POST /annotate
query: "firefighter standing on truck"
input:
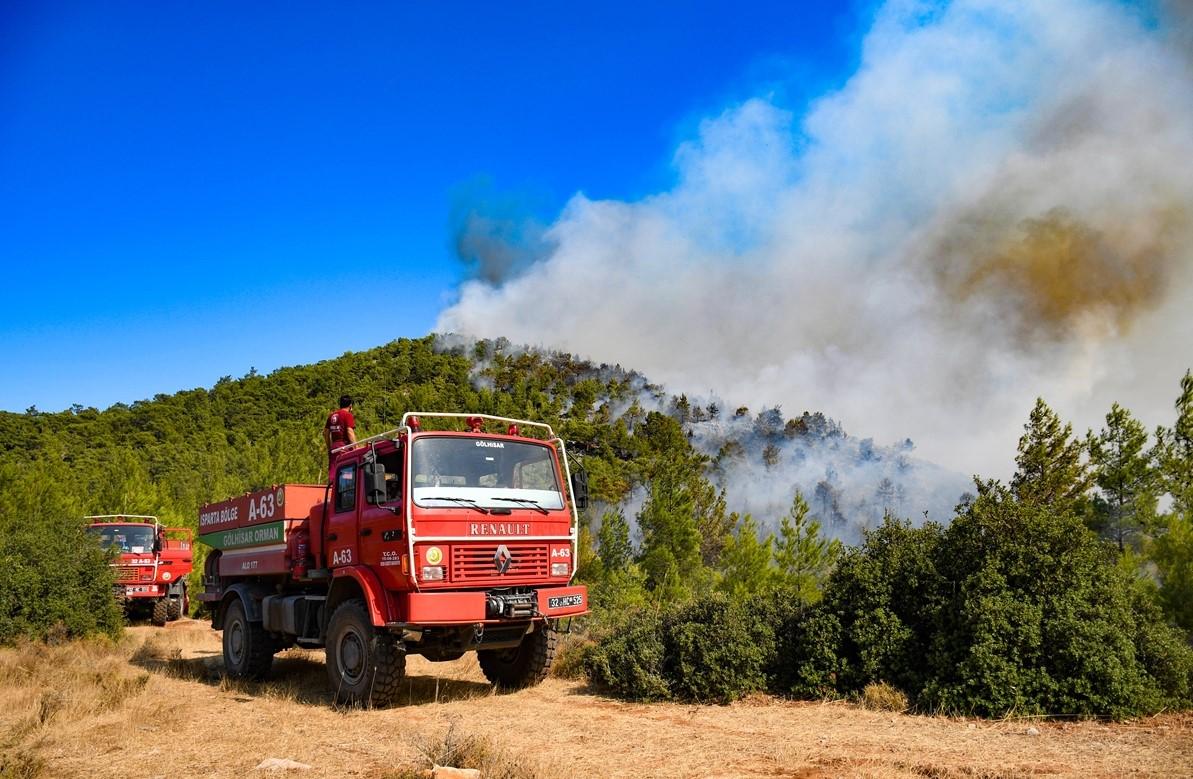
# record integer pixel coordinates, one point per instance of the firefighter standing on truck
(340, 429)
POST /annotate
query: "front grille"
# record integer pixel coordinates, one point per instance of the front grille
(471, 563)
(126, 573)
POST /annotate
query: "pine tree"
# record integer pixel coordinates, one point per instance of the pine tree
(1174, 451)
(1050, 467)
(613, 541)
(1172, 553)
(670, 555)
(712, 520)
(803, 557)
(885, 494)
(1123, 473)
(746, 563)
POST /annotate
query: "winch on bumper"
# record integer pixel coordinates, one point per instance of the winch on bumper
(495, 605)
(509, 604)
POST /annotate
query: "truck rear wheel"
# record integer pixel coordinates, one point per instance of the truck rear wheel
(523, 666)
(248, 649)
(161, 612)
(364, 666)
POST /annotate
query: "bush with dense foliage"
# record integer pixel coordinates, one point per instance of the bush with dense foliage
(1013, 608)
(55, 582)
(710, 649)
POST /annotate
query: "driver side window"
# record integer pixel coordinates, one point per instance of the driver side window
(346, 488)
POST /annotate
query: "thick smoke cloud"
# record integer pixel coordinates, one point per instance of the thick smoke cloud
(997, 205)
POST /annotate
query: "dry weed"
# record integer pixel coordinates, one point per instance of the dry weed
(570, 662)
(880, 696)
(463, 750)
(21, 764)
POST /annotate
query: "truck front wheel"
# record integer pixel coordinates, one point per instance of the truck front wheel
(364, 666)
(523, 666)
(161, 612)
(248, 649)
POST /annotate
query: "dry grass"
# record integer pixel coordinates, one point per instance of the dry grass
(158, 704)
(43, 687)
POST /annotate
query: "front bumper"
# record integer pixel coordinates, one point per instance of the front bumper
(130, 591)
(455, 608)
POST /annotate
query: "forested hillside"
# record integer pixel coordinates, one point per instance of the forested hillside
(1064, 585)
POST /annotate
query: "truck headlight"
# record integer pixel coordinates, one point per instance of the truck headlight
(559, 569)
(434, 555)
(432, 573)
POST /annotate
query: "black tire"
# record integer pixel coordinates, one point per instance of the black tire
(526, 664)
(161, 612)
(364, 667)
(178, 604)
(248, 649)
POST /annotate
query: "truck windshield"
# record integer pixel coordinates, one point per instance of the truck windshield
(448, 471)
(137, 539)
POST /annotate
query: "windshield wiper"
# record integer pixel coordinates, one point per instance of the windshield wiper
(525, 501)
(469, 502)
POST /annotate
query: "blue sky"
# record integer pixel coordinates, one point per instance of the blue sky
(191, 190)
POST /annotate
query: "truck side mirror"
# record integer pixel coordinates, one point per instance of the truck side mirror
(374, 483)
(157, 543)
(580, 489)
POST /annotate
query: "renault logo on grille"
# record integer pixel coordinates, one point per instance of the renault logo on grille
(502, 559)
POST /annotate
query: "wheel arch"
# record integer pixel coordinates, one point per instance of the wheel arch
(357, 582)
(248, 593)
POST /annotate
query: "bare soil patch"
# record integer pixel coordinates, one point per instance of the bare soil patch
(157, 704)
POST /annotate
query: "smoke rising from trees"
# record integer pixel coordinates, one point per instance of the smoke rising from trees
(995, 206)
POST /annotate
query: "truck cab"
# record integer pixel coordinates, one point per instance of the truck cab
(150, 562)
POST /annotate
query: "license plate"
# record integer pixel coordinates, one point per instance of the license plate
(564, 601)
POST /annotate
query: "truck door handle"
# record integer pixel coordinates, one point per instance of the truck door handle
(332, 536)
(368, 531)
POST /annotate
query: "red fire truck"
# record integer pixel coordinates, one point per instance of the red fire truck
(151, 564)
(430, 542)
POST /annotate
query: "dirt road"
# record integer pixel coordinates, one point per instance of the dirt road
(175, 715)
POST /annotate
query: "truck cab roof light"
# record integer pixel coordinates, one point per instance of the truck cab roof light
(513, 430)
(475, 424)
(415, 424)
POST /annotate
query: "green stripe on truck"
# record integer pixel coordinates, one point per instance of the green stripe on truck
(254, 535)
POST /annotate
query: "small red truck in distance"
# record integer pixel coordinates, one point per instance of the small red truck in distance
(151, 564)
(423, 542)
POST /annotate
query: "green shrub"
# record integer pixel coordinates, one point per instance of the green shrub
(711, 649)
(716, 650)
(55, 581)
(880, 602)
(1039, 619)
(1014, 608)
(807, 662)
(628, 662)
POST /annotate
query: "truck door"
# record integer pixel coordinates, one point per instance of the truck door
(340, 536)
(383, 527)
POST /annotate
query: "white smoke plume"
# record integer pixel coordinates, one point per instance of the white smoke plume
(997, 205)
